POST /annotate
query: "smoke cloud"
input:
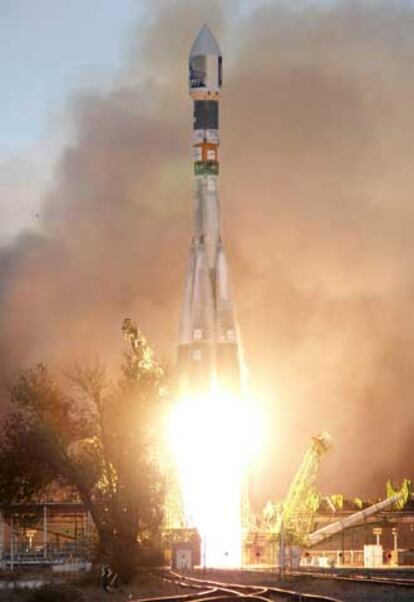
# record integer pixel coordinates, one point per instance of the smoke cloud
(316, 191)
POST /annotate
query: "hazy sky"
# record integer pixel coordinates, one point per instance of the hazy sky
(49, 50)
(49, 46)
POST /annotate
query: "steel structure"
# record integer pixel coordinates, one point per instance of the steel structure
(58, 532)
(349, 521)
(301, 501)
(174, 515)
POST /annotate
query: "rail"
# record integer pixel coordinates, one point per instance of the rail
(218, 591)
(368, 579)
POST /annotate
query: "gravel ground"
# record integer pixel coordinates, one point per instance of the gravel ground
(348, 592)
(88, 590)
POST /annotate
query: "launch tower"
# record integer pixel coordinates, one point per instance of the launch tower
(208, 351)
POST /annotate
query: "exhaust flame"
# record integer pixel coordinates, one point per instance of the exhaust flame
(214, 439)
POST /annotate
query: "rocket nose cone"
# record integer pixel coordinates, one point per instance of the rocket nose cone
(205, 43)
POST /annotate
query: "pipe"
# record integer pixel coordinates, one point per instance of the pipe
(349, 521)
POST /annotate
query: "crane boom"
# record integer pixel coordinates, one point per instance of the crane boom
(301, 501)
(349, 521)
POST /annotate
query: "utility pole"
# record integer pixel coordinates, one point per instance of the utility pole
(2, 529)
(395, 550)
(282, 550)
(45, 532)
(11, 544)
(377, 532)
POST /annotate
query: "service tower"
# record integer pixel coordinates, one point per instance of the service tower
(208, 351)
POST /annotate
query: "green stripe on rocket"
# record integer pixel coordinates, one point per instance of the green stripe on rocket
(206, 168)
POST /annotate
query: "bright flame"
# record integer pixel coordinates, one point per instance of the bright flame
(213, 440)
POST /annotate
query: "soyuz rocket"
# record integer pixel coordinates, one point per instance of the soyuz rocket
(208, 349)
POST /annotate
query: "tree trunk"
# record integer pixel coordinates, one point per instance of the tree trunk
(124, 557)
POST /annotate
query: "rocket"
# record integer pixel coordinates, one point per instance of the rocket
(208, 349)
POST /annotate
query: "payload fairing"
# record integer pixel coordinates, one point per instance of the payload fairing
(208, 351)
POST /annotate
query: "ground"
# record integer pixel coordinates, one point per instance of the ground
(348, 592)
(88, 589)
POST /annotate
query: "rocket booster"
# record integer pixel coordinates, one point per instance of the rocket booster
(208, 350)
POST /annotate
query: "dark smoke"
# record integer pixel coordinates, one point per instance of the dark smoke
(317, 193)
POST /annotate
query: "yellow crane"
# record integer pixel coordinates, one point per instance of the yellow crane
(302, 500)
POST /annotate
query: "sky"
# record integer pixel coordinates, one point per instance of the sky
(316, 194)
(49, 49)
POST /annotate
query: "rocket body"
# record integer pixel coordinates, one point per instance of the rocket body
(208, 351)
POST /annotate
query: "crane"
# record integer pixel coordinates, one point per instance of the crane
(302, 499)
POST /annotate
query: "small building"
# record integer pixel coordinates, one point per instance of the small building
(185, 556)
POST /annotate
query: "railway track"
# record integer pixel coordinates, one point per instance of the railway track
(350, 587)
(219, 591)
(358, 578)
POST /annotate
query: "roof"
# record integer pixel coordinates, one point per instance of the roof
(205, 43)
